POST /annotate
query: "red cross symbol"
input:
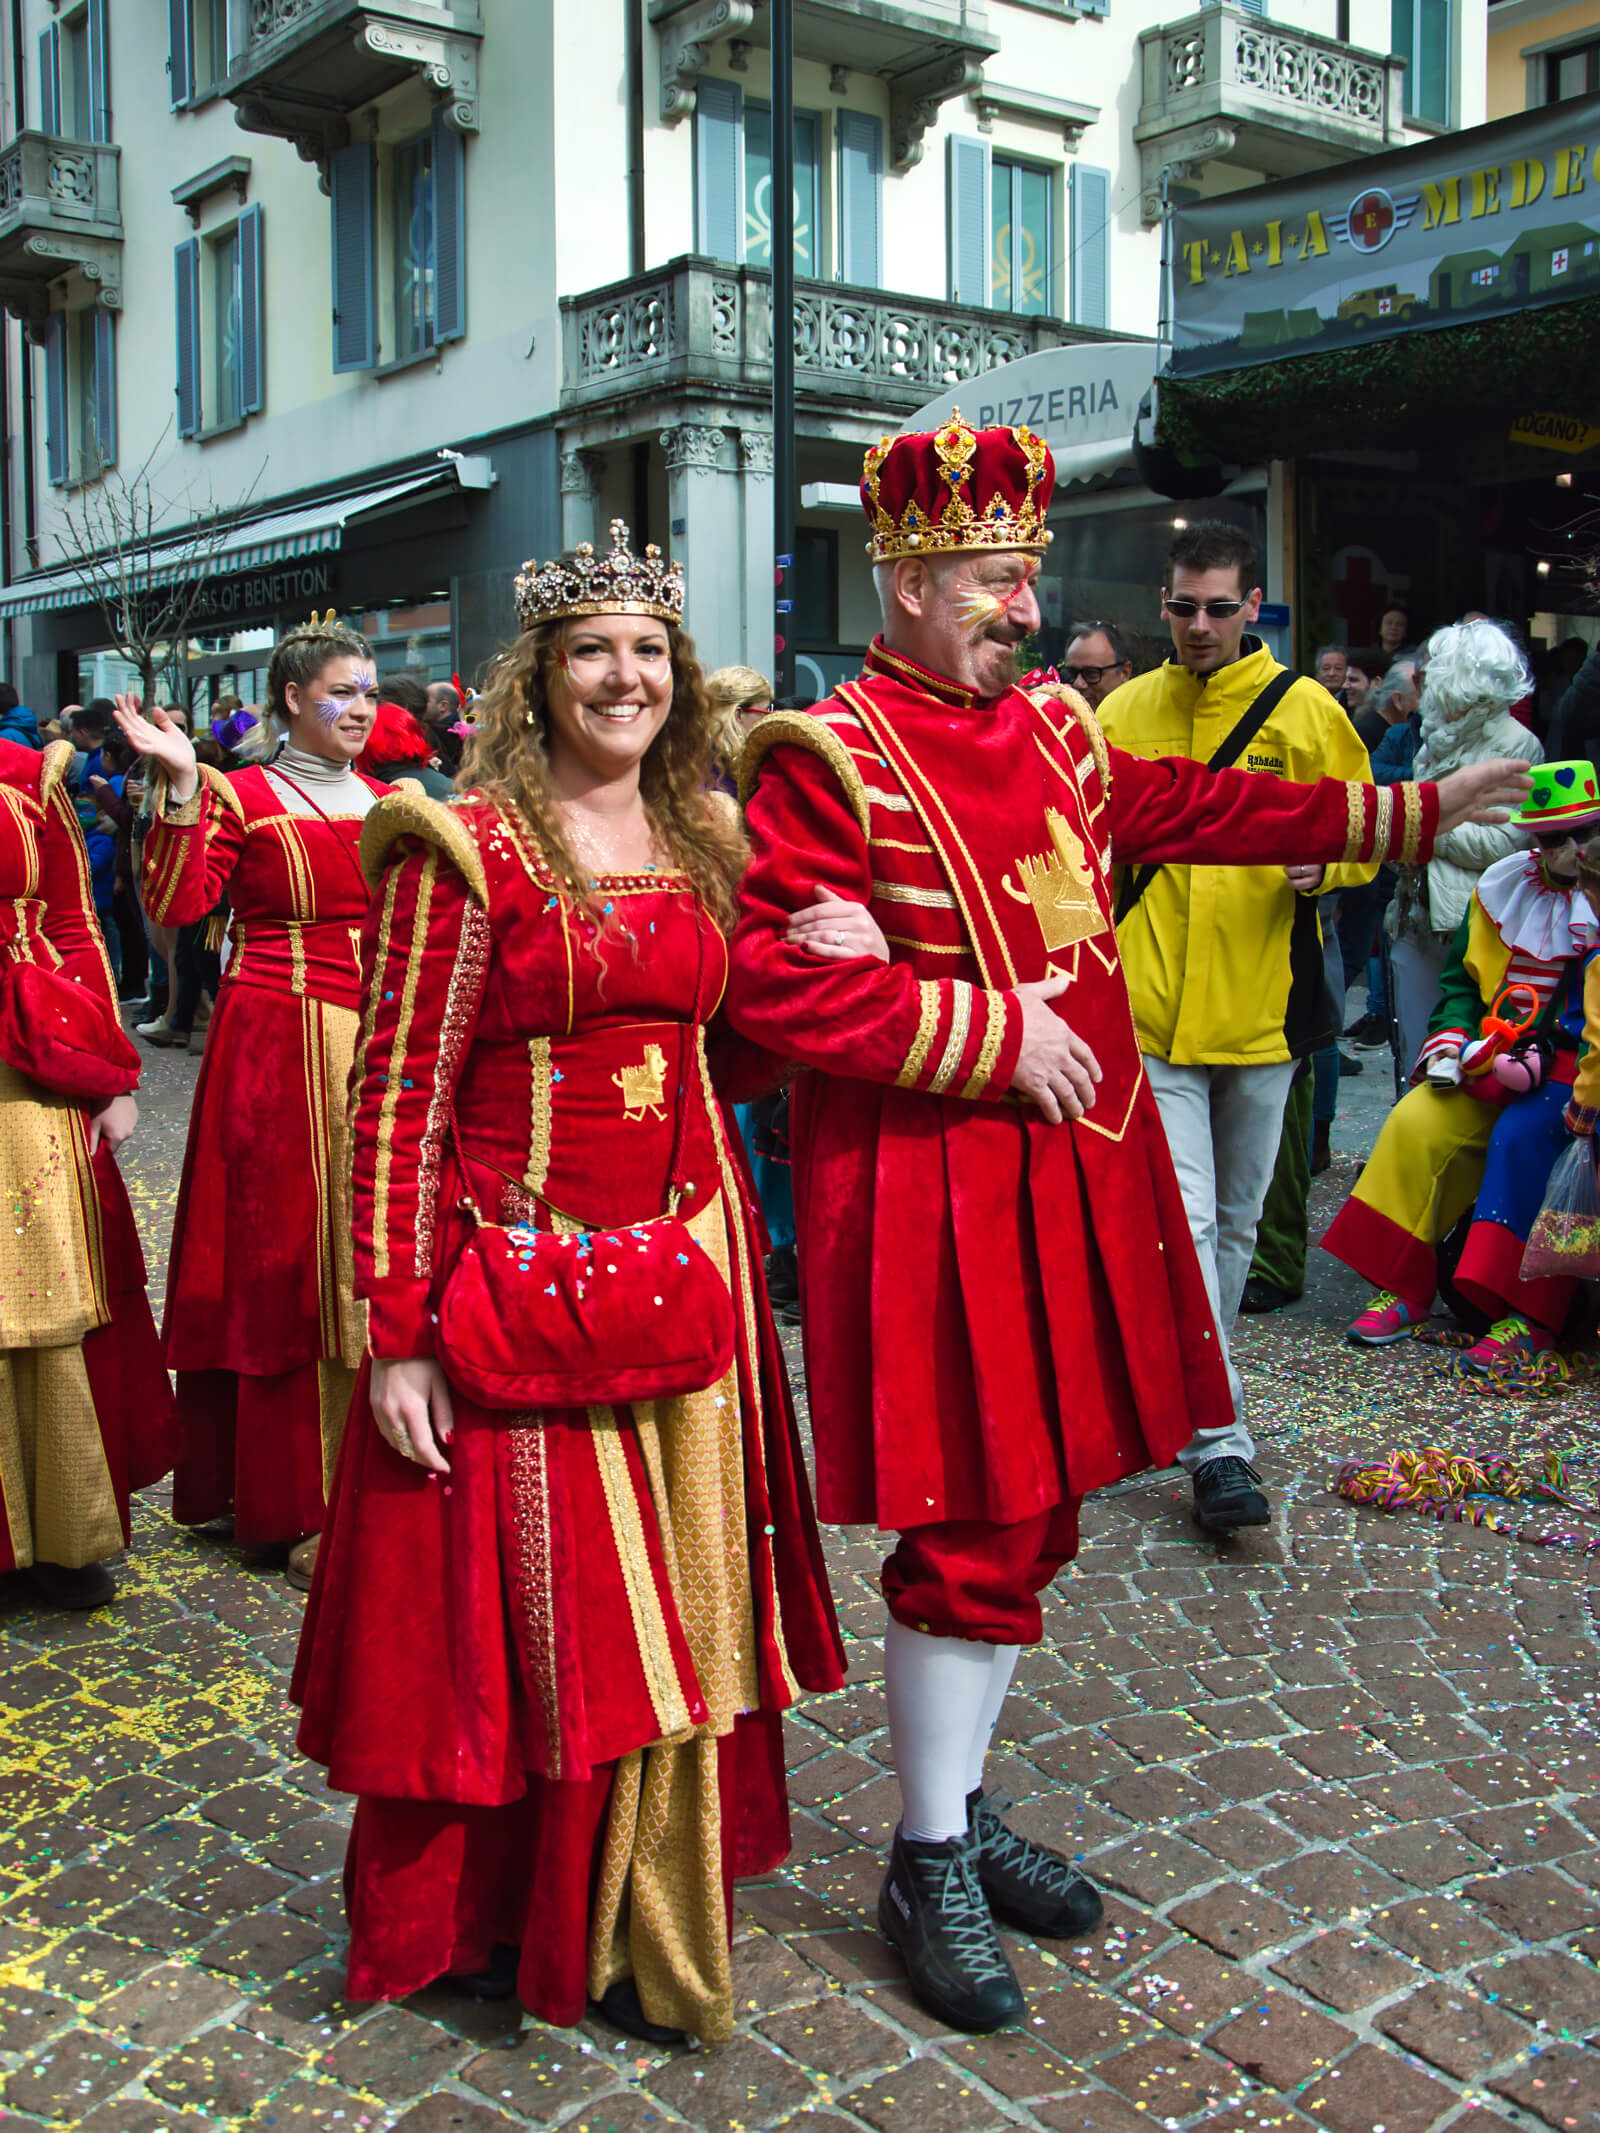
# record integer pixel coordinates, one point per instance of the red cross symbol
(1371, 220)
(1361, 600)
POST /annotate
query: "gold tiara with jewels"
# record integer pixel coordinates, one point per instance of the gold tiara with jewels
(584, 583)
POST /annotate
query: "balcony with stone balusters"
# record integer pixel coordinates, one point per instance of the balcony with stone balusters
(1227, 86)
(694, 328)
(307, 65)
(60, 212)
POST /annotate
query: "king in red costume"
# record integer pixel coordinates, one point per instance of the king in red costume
(1002, 1306)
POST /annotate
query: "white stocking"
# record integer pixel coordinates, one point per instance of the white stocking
(938, 1689)
(1003, 1665)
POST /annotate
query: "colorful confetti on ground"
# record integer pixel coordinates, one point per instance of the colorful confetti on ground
(1340, 1781)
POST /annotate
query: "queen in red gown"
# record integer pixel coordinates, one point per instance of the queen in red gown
(261, 1324)
(85, 1407)
(549, 1650)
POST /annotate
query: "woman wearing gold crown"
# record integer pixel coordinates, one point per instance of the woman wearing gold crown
(550, 1638)
(261, 1325)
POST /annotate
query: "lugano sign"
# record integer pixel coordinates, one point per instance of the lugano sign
(1469, 226)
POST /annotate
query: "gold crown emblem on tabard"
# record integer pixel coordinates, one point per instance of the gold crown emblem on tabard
(584, 583)
(1060, 888)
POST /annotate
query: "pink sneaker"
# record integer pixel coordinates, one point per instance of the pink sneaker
(1508, 1340)
(1386, 1319)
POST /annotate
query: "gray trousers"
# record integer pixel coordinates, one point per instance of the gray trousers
(1418, 964)
(1223, 1124)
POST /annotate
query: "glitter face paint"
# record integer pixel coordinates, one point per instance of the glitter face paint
(331, 709)
(979, 607)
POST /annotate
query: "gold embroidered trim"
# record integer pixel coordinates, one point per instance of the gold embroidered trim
(894, 892)
(1411, 842)
(904, 940)
(1355, 817)
(531, 1579)
(994, 1008)
(879, 656)
(779, 727)
(927, 1022)
(397, 1063)
(638, 1578)
(960, 1023)
(67, 815)
(895, 801)
(540, 1120)
(898, 844)
(460, 1004)
(404, 814)
(391, 890)
(1384, 828)
(1093, 732)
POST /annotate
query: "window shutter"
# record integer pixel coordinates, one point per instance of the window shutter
(57, 441)
(354, 177)
(449, 232)
(1091, 245)
(50, 79)
(186, 262)
(860, 199)
(105, 387)
(1429, 77)
(969, 181)
(180, 50)
(99, 72)
(252, 325)
(718, 175)
(1252, 7)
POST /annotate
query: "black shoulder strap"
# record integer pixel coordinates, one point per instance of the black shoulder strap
(1226, 753)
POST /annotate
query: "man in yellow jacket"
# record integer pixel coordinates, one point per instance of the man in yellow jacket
(1224, 964)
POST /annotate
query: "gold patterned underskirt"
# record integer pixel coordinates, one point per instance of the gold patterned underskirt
(52, 1265)
(60, 1506)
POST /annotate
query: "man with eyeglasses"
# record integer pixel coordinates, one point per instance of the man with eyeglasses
(1224, 964)
(1099, 659)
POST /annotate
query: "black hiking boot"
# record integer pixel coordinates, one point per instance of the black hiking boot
(1028, 1886)
(933, 1909)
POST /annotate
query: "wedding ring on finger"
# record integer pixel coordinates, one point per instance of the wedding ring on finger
(838, 940)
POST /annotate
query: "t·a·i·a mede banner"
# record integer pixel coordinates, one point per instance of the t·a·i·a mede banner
(1463, 228)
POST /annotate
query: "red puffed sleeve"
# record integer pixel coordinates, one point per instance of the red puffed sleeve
(190, 851)
(870, 1020)
(424, 953)
(1172, 811)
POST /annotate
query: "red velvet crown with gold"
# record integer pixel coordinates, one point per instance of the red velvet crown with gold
(957, 487)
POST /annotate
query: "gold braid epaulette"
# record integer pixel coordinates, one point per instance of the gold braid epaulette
(778, 727)
(1093, 732)
(222, 787)
(53, 770)
(402, 814)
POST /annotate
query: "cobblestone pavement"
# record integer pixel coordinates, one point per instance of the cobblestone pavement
(1340, 1782)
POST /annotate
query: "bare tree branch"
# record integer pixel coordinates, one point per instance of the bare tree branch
(110, 542)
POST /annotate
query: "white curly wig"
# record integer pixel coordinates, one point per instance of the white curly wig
(1472, 666)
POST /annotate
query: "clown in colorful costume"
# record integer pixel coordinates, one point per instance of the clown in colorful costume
(1488, 1116)
(85, 1407)
(1001, 1313)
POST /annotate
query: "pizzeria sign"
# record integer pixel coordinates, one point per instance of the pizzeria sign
(1469, 226)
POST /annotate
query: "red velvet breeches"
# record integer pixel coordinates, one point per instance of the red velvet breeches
(967, 1578)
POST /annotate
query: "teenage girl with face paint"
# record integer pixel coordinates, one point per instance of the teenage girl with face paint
(261, 1326)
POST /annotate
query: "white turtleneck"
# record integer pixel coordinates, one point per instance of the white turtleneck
(334, 786)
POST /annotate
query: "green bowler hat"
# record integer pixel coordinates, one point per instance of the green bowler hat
(1562, 792)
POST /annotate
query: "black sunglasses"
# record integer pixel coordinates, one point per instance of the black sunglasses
(1092, 674)
(1216, 610)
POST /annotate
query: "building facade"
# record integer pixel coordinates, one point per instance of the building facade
(407, 290)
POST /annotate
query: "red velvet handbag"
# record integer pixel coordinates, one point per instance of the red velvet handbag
(549, 1318)
(63, 1035)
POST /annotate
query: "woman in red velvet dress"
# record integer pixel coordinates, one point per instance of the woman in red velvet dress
(549, 1651)
(85, 1407)
(261, 1325)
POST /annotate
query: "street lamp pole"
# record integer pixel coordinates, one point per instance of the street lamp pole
(783, 475)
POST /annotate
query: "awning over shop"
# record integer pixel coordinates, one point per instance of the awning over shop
(1391, 294)
(253, 544)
